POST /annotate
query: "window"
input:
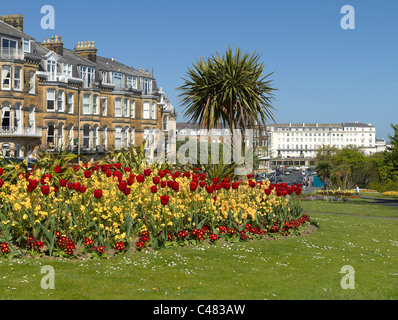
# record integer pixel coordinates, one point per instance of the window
(95, 104)
(50, 134)
(146, 110)
(118, 80)
(132, 82)
(70, 137)
(118, 137)
(95, 136)
(86, 136)
(104, 103)
(32, 122)
(132, 136)
(86, 104)
(165, 121)
(61, 141)
(50, 100)
(52, 70)
(126, 137)
(105, 77)
(67, 69)
(17, 78)
(6, 77)
(105, 137)
(118, 107)
(146, 137)
(132, 108)
(87, 75)
(60, 101)
(146, 85)
(5, 116)
(126, 107)
(153, 110)
(26, 45)
(32, 82)
(9, 48)
(70, 102)
(17, 117)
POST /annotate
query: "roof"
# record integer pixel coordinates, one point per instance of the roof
(7, 29)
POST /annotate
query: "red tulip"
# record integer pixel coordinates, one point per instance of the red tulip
(163, 184)
(45, 190)
(127, 169)
(164, 200)
(1, 171)
(147, 172)
(140, 178)
(267, 191)
(108, 173)
(154, 189)
(156, 180)
(62, 182)
(235, 185)
(82, 189)
(87, 174)
(298, 191)
(122, 185)
(202, 184)
(249, 176)
(33, 184)
(127, 191)
(57, 169)
(209, 189)
(193, 186)
(97, 194)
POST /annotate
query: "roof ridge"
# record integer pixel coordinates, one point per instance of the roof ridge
(16, 29)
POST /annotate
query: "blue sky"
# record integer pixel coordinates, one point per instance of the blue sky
(323, 73)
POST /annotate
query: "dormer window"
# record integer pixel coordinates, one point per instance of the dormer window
(9, 48)
(26, 45)
(87, 74)
(52, 70)
(132, 82)
(118, 80)
(146, 85)
(67, 69)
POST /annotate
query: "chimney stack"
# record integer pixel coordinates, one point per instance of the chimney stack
(15, 20)
(87, 50)
(54, 44)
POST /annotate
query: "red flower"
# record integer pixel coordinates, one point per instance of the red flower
(147, 172)
(63, 182)
(202, 184)
(108, 173)
(235, 185)
(33, 184)
(87, 174)
(140, 178)
(267, 191)
(163, 184)
(209, 189)
(193, 186)
(164, 200)
(76, 186)
(298, 191)
(45, 190)
(82, 189)
(252, 184)
(1, 171)
(98, 194)
(154, 189)
(122, 185)
(249, 176)
(127, 191)
(156, 180)
(216, 180)
(57, 169)
(213, 237)
(127, 169)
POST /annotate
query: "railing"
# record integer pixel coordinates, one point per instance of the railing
(20, 132)
(11, 53)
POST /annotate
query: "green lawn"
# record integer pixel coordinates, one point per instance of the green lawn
(305, 268)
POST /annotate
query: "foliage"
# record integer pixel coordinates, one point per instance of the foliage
(230, 89)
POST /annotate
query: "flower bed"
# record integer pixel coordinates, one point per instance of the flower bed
(99, 208)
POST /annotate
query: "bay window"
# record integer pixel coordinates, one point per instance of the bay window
(6, 78)
(17, 78)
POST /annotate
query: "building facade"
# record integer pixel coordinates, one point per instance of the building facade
(52, 97)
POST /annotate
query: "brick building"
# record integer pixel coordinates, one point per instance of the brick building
(53, 97)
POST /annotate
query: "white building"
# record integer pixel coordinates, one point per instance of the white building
(303, 140)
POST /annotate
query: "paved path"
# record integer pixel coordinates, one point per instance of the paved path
(384, 202)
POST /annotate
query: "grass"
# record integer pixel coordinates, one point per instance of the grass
(299, 268)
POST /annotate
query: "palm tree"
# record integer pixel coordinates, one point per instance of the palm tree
(324, 170)
(231, 89)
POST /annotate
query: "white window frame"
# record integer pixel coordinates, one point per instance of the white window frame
(86, 137)
(145, 110)
(126, 108)
(51, 67)
(49, 99)
(86, 103)
(17, 79)
(71, 97)
(132, 136)
(32, 82)
(104, 106)
(132, 108)
(154, 110)
(26, 42)
(67, 69)
(118, 80)
(4, 71)
(95, 104)
(132, 82)
(165, 122)
(61, 101)
(118, 107)
(87, 74)
(118, 137)
(146, 85)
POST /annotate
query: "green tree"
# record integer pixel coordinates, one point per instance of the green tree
(229, 89)
(324, 170)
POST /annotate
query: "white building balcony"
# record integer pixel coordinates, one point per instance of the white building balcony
(11, 53)
(8, 132)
